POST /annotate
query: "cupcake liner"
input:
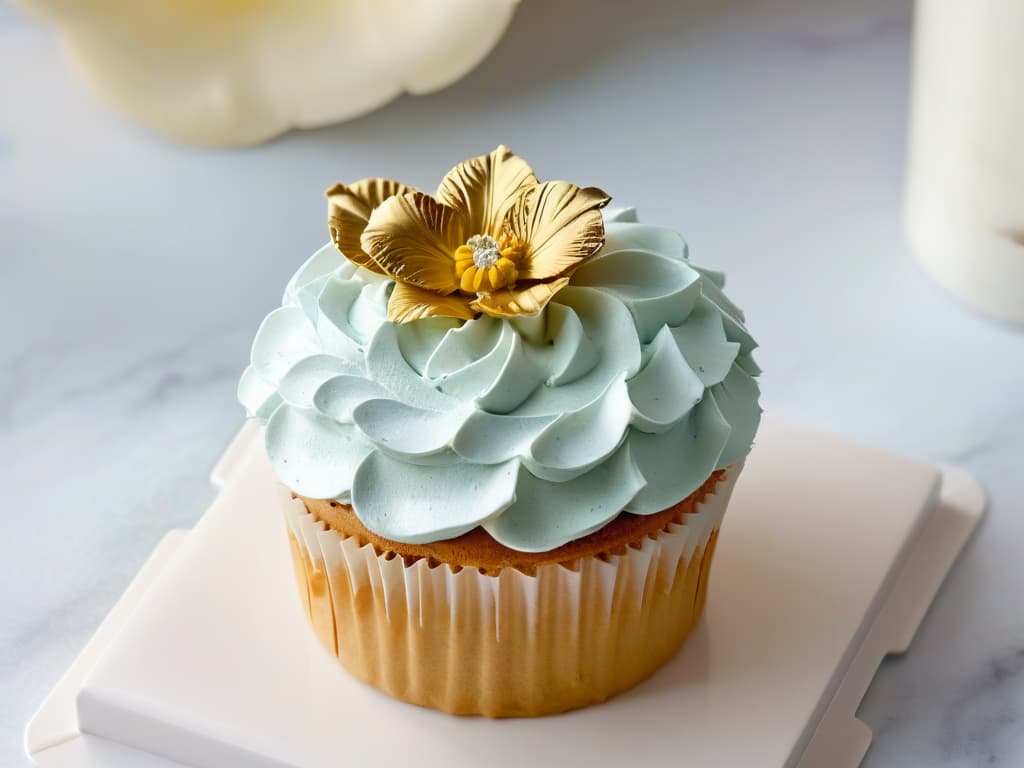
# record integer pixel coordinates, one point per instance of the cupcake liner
(510, 644)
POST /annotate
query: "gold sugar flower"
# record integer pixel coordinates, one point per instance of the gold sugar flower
(493, 239)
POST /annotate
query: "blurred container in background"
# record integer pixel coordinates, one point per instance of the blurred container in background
(220, 72)
(965, 174)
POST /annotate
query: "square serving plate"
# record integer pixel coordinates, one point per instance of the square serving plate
(830, 555)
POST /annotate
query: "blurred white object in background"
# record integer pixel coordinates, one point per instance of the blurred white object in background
(965, 174)
(219, 72)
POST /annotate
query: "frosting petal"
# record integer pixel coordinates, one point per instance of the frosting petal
(614, 214)
(736, 331)
(607, 322)
(628, 235)
(386, 365)
(487, 438)
(703, 342)
(474, 378)
(678, 461)
(714, 291)
(338, 396)
(746, 362)
(308, 297)
(339, 304)
(417, 504)
(667, 387)
(463, 346)
(417, 341)
(320, 264)
(410, 432)
(303, 379)
(546, 515)
(259, 397)
(312, 454)
(736, 397)
(577, 441)
(283, 339)
(514, 380)
(667, 298)
(574, 354)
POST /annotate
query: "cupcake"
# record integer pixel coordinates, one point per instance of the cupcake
(507, 421)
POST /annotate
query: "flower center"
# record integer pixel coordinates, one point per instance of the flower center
(482, 265)
(485, 251)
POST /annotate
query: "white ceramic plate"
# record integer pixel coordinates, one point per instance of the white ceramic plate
(830, 554)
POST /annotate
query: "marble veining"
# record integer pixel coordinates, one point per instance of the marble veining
(135, 272)
(986, 714)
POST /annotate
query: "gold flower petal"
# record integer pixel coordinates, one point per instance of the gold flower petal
(528, 300)
(413, 238)
(560, 224)
(348, 210)
(408, 303)
(483, 188)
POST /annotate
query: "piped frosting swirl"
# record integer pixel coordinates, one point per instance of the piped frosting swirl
(626, 392)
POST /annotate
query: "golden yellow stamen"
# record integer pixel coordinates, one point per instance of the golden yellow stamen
(483, 266)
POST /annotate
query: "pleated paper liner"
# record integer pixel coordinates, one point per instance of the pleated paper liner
(510, 644)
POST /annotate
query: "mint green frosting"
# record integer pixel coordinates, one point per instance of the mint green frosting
(625, 393)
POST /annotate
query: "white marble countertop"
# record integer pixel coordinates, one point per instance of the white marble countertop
(135, 272)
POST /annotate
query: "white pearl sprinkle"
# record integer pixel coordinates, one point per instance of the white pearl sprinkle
(485, 251)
